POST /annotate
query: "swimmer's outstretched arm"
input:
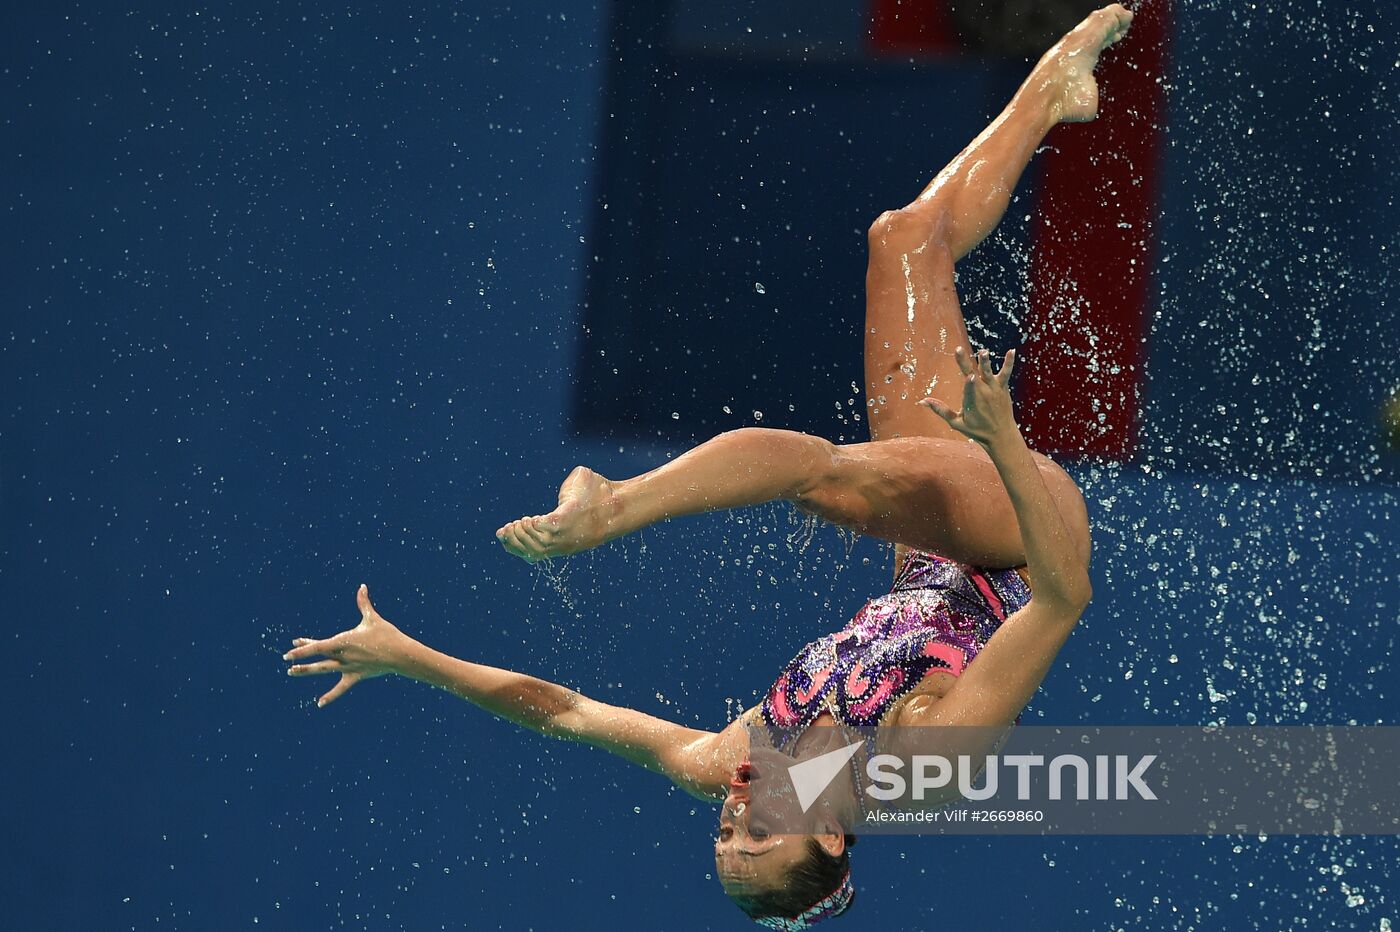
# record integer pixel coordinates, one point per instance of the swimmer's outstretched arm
(998, 683)
(699, 762)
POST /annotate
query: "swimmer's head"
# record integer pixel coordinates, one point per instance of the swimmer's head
(790, 880)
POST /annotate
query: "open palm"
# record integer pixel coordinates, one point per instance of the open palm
(371, 648)
(986, 406)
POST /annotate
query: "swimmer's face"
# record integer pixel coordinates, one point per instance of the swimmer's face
(749, 857)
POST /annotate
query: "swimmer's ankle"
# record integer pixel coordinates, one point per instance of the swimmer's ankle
(621, 509)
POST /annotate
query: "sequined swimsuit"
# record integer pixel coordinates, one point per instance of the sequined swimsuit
(938, 616)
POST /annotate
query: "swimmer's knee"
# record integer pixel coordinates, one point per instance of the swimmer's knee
(820, 468)
(827, 501)
(910, 228)
(832, 491)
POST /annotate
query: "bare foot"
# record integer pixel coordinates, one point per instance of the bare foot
(1071, 61)
(582, 521)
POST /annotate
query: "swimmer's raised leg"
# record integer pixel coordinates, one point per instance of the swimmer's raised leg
(734, 470)
(928, 493)
(913, 321)
(932, 490)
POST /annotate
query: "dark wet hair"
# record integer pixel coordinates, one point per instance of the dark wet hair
(811, 879)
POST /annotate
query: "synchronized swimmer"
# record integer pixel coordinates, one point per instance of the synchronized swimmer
(992, 539)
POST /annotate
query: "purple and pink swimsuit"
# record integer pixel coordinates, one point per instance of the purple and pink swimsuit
(938, 616)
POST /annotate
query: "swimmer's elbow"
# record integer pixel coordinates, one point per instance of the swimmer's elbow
(1083, 593)
(1074, 598)
(1069, 596)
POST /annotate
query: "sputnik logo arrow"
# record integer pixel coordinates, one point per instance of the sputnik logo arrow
(811, 777)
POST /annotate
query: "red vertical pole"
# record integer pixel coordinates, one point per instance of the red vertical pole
(903, 26)
(1091, 296)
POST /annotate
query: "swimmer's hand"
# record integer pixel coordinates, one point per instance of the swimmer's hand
(986, 414)
(372, 648)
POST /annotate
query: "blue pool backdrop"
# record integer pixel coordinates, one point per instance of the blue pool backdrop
(293, 300)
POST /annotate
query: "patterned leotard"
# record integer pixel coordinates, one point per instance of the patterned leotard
(938, 616)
